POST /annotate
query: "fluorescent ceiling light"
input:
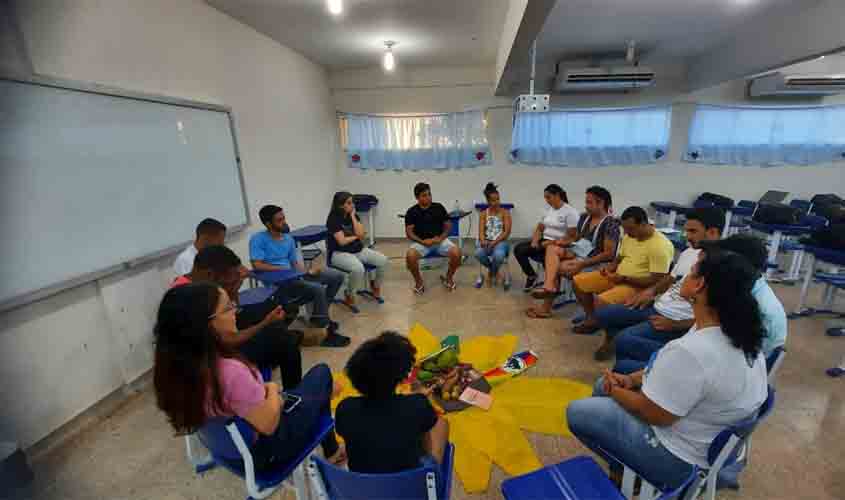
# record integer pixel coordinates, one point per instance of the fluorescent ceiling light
(335, 7)
(389, 61)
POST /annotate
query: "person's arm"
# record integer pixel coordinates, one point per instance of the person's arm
(637, 404)
(344, 240)
(606, 255)
(357, 227)
(447, 228)
(409, 233)
(482, 224)
(644, 282)
(538, 235)
(260, 265)
(664, 324)
(569, 238)
(267, 416)
(236, 338)
(507, 222)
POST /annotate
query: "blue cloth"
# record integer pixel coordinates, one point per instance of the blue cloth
(493, 258)
(636, 344)
(616, 317)
(282, 253)
(772, 315)
(607, 429)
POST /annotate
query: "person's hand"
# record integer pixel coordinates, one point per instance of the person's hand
(428, 242)
(314, 270)
(277, 314)
(243, 272)
(273, 388)
(641, 299)
(425, 391)
(616, 380)
(661, 324)
(535, 243)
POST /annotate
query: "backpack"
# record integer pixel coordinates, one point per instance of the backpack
(827, 199)
(717, 200)
(829, 206)
(831, 237)
(776, 213)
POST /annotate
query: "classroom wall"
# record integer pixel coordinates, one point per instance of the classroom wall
(63, 354)
(420, 90)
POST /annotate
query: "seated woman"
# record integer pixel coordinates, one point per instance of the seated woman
(661, 421)
(387, 432)
(559, 223)
(346, 248)
(595, 243)
(494, 229)
(196, 377)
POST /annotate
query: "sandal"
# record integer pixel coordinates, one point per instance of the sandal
(585, 329)
(419, 290)
(533, 312)
(544, 294)
(449, 284)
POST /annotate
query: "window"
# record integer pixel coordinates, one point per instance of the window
(438, 141)
(767, 136)
(591, 137)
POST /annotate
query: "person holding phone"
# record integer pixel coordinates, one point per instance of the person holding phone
(197, 377)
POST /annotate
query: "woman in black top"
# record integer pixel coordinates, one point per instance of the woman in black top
(346, 250)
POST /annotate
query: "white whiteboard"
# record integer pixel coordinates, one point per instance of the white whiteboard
(92, 182)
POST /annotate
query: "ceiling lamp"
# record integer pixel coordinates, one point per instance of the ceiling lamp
(335, 7)
(389, 61)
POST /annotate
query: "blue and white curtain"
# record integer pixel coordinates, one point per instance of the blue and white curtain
(766, 136)
(437, 141)
(591, 137)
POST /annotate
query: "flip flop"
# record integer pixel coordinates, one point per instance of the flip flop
(836, 332)
(535, 314)
(544, 294)
(449, 285)
(419, 290)
(835, 372)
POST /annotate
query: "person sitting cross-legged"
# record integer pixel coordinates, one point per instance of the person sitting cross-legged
(384, 431)
(644, 258)
(658, 314)
(494, 229)
(275, 250)
(427, 225)
(595, 243)
(346, 248)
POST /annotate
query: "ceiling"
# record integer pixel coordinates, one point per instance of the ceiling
(428, 32)
(665, 30)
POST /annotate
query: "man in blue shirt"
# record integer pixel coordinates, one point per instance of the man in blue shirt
(275, 250)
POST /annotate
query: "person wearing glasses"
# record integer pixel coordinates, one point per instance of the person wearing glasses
(260, 333)
(197, 375)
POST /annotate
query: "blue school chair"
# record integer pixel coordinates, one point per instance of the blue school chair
(368, 270)
(225, 440)
(428, 482)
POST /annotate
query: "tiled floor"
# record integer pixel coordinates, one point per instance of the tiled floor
(798, 454)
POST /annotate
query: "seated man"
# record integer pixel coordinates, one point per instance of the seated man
(427, 225)
(263, 341)
(275, 250)
(644, 259)
(595, 243)
(210, 232)
(647, 327)
(387, 432)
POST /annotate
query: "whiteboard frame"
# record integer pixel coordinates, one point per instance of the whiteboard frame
(95, 88)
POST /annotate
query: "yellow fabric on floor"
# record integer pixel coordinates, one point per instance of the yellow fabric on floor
(482, 438)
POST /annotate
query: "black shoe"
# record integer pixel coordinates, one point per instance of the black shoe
(333, 327)
(335, 340)
(529, 284)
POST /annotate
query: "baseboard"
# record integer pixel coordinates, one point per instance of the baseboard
(88, 418)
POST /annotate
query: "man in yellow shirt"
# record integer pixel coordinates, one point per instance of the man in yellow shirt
(644, 258)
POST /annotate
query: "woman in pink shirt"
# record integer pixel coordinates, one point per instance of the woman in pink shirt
(197, 377)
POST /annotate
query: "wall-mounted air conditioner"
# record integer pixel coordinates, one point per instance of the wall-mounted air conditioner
(781, 85)
(604, 79)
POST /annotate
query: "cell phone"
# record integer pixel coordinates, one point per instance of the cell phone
(291, 401)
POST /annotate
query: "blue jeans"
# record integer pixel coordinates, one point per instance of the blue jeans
(621, 438)
(318, 290)
(493, 258)
(636, 344)
(616, 317)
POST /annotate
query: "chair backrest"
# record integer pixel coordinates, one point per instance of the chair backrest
(803, 205)
(813, 221)
(720, 454)
(747, 204)
(216, 437)
(422, 483)
(773, 196)
(773, 362)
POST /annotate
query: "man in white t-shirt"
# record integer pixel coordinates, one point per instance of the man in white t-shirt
(659, 314)
(559, 223)
(210, 232)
